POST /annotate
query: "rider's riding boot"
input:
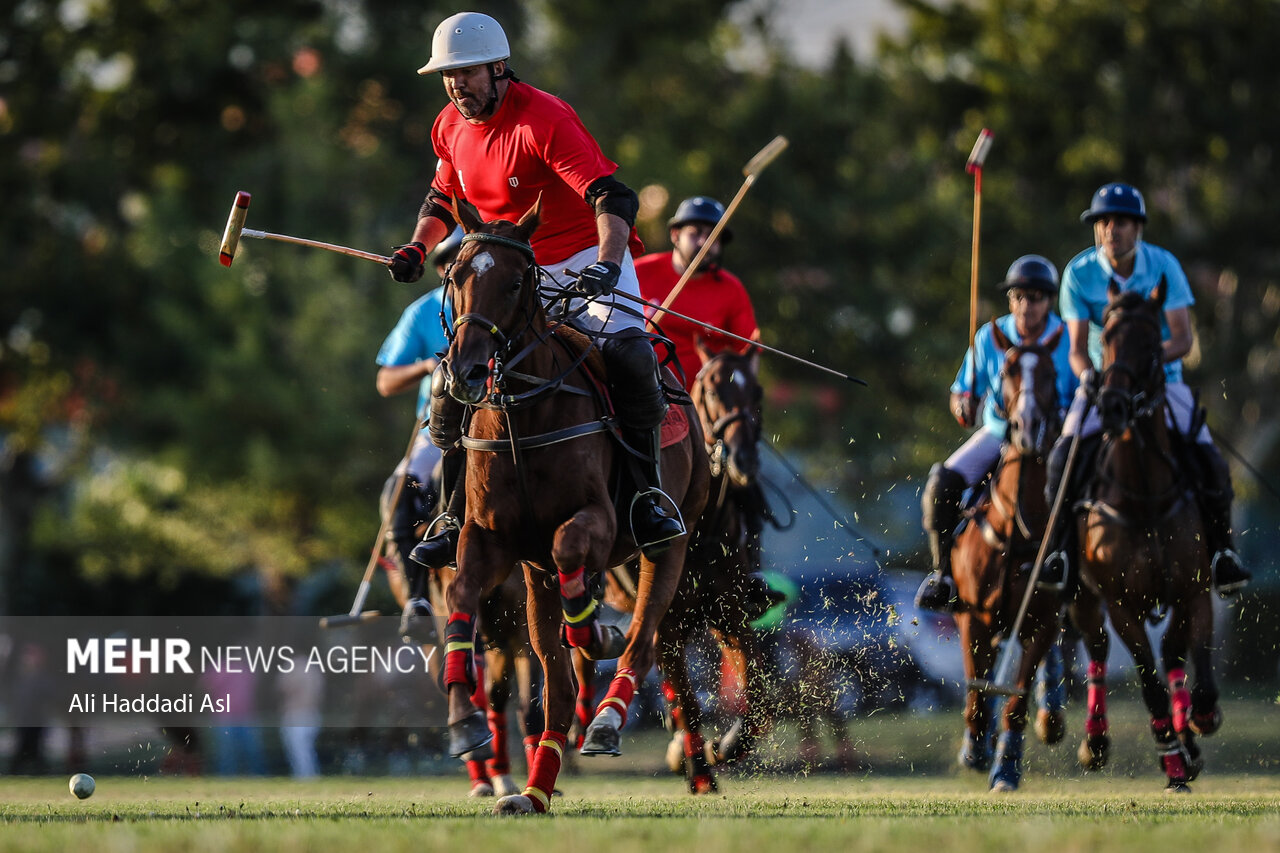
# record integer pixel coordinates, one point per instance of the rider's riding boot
(941, 512)
(1053, 573)
(641, 405)
(1216, 494)
(445, 428)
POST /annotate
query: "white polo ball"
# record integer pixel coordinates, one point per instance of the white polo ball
(82, 785)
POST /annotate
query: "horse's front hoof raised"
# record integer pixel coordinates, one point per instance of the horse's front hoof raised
(471, 735)
(1094, 751)
(601, 739)
(1206, 724)
(516, 804)
(1051, 726)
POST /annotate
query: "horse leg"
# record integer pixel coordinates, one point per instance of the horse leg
(975, 643)
(584, 670)
(1051, 695)
(1006, 768)
(475, 760)
(697, 770)
(1206, 716)
(498, 670)
(543, 611)
(483, 564)
(655, 591)
(740, 740)
(1086, 615)
(1173, 757)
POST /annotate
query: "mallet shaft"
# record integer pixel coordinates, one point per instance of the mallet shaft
(316, 244)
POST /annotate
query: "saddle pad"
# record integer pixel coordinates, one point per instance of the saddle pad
(675, 426)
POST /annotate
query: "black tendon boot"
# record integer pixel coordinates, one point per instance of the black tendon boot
(941, 513)
(1216, 494)
(641, 405)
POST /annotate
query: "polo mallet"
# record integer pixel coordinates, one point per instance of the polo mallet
(752, 170)
(235, 230)
(973, 166)
(356, 615)
(1011, 654)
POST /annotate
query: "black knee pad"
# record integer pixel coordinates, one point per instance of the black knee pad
(633, 374)
(940, 501)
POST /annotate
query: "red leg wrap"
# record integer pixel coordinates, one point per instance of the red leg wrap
(459, 652)
(693, 744)
(668, 692)
(546, 767)
(475, 769)
(621, 691)
(1181, 698)
(530, 748)
(579, 608)
(500, 764)
(1096, 722)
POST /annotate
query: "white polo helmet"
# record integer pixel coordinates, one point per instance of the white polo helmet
(466, 39)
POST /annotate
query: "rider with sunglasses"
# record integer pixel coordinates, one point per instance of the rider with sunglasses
(1118, 214)
(1030, 285)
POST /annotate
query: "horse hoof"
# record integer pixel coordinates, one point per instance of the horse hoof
(516, 804)
(470, 737)
(1004, 786)
(974, 759)
(703, 785)
(1093, 752)
(504, 785)
(675, 753)
(1051, 726)
(480, 789)
(1206, 724)
(734, 745)
(609, 645)
(1176, 787)
(601, 739)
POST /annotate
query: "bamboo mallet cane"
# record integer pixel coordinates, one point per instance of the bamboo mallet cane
(977, 157)
(752, 170)
(355, 615)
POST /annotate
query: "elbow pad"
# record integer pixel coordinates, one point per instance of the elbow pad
(609, 195)
(439, 205)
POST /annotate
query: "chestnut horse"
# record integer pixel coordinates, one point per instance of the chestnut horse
(540, 492)
(991, 560)
(1144, 548)
(712, 592)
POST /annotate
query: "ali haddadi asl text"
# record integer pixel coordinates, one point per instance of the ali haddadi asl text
(148, 703)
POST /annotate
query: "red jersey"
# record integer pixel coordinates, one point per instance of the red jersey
(534, 144)
(716, 297)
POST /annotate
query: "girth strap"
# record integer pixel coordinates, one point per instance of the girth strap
(498, 445)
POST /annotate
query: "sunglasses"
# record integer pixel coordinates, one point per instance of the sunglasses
(1032, 296)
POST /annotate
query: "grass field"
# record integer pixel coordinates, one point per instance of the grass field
(909, 798)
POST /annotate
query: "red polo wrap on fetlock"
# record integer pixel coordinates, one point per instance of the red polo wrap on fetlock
(546, 767)
(621, 691)
(1180, 698)
(459, 652)
(500, 764)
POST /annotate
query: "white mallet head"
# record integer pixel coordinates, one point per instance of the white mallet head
(978, 155)
(231, 236)
(82, 785)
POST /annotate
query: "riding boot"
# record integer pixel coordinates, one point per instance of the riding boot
(941, 514)
(440, 549)
(641, 405)
(1216, 494)
(1064, 541)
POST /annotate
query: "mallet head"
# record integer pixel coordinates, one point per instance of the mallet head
(978, 155)
(235, 224)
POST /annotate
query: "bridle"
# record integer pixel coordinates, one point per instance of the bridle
(1145, 396)
(744, 413)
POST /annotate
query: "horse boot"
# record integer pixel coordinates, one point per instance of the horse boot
(440, 549)
(641, 405)
(941, 514)
(1216, 494)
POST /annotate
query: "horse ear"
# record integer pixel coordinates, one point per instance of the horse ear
(1159, 293)
(468, 220)
(1001, 339)
(531, 220)
(704, 352)
(753, 359)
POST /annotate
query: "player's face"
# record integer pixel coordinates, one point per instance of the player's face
(1116, 236)
(1029, 307)
(688, 239)
(470, 89)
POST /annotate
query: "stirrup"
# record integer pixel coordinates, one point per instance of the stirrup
(1236, 580)
(656, 546)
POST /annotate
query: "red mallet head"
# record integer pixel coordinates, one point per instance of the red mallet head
(235, 224)
(978, 155)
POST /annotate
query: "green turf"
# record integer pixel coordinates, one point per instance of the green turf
(908, 797)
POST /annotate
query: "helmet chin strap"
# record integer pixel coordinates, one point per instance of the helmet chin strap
(492, 104)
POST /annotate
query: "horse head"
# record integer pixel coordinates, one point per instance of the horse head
(495, 300)
(1029, 387)
(1132, 383)
(727, 397)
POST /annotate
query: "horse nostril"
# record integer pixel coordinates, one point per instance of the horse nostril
(476, 374)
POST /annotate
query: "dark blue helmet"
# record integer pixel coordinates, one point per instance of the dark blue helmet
(700, 208)
(1033, 271)
(1115, 199)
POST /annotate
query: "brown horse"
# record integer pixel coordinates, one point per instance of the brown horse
(991, 558)
(713, 588)
(540, 458)
(1144, 548)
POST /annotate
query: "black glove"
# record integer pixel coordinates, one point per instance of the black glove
(408, 263)
(599, 278)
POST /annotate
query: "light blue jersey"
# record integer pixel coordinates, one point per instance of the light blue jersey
(990, 360)
(417, 336)
(1084, 293)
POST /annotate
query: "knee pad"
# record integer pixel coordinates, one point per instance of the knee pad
(445, 422)
(940, 502)
(633, 376)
